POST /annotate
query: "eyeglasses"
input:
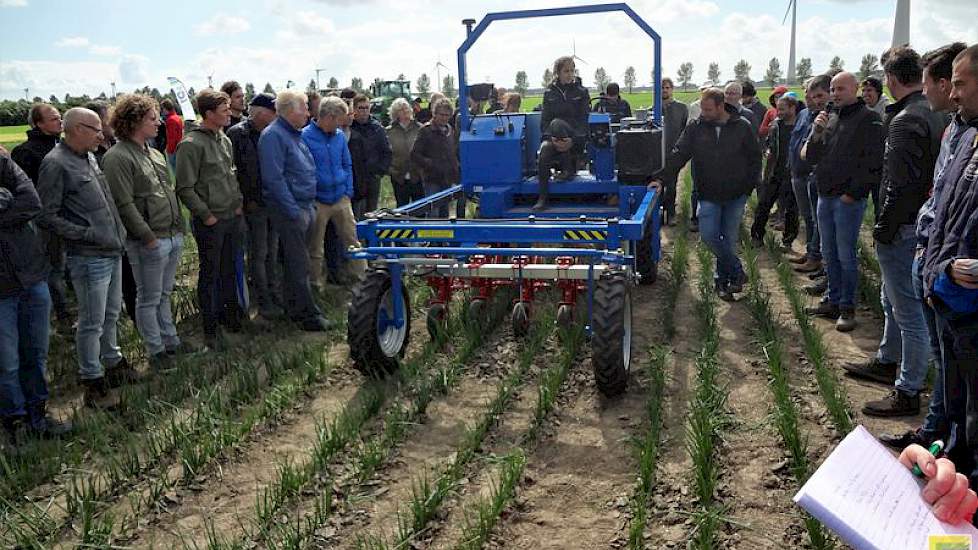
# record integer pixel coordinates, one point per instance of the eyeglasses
(90, 127)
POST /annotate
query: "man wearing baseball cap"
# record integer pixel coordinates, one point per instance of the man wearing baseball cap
(262, 238)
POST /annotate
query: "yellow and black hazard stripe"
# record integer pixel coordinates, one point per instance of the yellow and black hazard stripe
(585, 235)
(395, 233)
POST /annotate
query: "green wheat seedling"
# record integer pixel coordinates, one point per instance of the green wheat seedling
(423, 383)
(648, 449)
(707, 413)
(786, 412)
(427, 498)
(478, 525)
(833, 393)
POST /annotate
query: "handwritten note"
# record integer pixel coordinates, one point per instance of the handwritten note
(871, 501)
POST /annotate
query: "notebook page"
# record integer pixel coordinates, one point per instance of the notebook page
(870, 500)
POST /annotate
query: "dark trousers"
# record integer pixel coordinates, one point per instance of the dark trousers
(218, 247)
(334, 253)
(57, 286)
(262, 253)
(959, 350)
(407, 190)
(669, 194)
(293, 238)
(128, 289)
(369, 202)
(768, 194)
(550, 158)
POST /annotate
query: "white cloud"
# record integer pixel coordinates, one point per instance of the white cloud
(72, 42)
(13, 3)
(133, 70)
(97, 49)
(222, 24)
(309, 24)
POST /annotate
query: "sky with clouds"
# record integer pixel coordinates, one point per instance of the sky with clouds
(53, 47)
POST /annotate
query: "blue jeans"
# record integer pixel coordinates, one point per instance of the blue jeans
(155, 270)
(904, 329)
(24, 325)
(720, 230)
(98, 284)
(936, 420)
(806, 208)
(838, 224)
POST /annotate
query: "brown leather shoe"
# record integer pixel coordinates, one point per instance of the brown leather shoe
(810, 266)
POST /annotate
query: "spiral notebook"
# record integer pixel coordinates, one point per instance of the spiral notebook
(863, 494)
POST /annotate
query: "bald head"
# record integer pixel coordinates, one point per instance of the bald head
(844, 89)
(83, 130)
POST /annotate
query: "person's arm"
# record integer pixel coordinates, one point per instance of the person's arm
(23, 204)
(189, 159)
(27, 162)
(121, 175)
(752, 149)
(947, 490)
(385, 152)
(419, 152)
(681, 152)
(684, 117)
(903, 173)
(50, 188)
(271, 156)
(627, 112)
(346, 161)
(869, 165)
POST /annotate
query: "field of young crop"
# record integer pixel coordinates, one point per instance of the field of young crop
(480, 440)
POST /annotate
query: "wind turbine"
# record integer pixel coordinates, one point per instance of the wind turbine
(901, 24)
(438, 68)
(793, 8)
(574, 52)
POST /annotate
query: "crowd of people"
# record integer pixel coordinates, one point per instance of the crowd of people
(274, 189)
(100, 197)
(821, 159)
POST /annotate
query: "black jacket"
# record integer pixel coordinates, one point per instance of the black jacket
(913, 141)
(377, 152)
(23, 262)
(569, 102)
(28, 155)
(434, 153)
(618, 109)
(244, 142)
(850, 157)
(727, 164)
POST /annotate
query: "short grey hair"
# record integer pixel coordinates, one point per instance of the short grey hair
(734, 85)
(333, 106)
(287, 101)
(442, 104)
(76, 115)
(400, 104)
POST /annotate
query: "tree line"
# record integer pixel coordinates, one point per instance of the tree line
(868, 66)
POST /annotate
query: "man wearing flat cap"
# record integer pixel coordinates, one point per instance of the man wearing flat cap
(262, 238)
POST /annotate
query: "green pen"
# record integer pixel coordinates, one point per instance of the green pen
(935, 449)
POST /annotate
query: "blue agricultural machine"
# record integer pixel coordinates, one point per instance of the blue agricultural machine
(598, 238)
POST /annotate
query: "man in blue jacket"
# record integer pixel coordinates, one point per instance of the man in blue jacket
(802, 180)
(951, 275)
(288, 175)
(334, 185)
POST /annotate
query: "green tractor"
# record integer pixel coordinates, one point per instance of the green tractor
(383, 93)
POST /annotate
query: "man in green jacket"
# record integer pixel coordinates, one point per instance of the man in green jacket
(206, 184)
(141, 188)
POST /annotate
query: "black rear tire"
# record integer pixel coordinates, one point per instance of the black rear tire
(644, 264)
(376, 351)
(611, 340)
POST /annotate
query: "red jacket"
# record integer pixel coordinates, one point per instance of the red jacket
(769, 117)
(174, 132)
